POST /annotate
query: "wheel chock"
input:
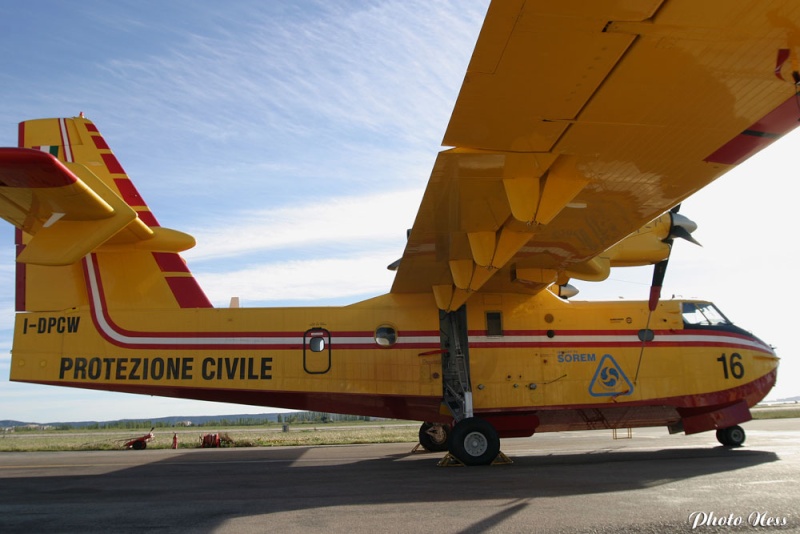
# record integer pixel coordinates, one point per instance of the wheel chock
(419, 449)
(502, 459)
(451, 461)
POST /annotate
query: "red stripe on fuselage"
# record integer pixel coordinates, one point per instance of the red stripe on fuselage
(419, 408)
(132, 198)
(99, 142)
(621, 414)
(129, 192)
(341, 340)
(191, 340)
(185, 289)
(20, 274)
(112, 163)
(148, 218)
(188, 292)
(170, 262)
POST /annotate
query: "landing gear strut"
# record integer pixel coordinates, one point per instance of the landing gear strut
(733, 436)
(473, 441)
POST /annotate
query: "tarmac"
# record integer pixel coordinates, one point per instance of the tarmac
(561, 482)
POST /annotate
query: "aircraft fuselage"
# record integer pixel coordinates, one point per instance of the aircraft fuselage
(534, 363)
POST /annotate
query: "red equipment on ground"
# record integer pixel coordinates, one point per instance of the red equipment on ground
(140, 442)
(210, 440)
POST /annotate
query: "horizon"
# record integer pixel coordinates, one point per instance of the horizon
(275, 412)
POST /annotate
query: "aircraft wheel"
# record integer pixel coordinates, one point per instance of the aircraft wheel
(139, 445)
(733, 436)
(433, 436)
(474, 442)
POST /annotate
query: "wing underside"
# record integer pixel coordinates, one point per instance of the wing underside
(578, 124)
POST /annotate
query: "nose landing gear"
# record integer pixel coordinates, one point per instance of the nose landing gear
(732, 436)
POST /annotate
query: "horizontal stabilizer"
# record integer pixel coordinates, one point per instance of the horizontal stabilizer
(69, 211)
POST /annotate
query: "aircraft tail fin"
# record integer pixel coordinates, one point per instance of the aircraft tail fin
(68, 196)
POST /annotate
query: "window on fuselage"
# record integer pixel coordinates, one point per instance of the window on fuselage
(316, 344)
(385, 335)
(702, 314)
(494, 324)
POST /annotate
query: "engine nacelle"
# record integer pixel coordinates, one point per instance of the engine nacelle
(648, 245)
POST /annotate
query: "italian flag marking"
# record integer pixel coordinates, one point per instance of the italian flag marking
(50, 149)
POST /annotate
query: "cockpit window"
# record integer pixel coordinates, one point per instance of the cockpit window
(703, 313)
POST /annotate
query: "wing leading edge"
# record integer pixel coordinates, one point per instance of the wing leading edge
(577, 127)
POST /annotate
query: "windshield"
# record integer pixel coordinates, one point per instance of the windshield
(703, 313)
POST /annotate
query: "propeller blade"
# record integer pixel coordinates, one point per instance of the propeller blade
(683, 233)
(681, 227)
(659, 271)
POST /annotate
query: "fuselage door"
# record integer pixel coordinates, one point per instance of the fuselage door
(317, 351)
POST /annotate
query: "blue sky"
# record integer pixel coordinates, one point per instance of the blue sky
(294, 140)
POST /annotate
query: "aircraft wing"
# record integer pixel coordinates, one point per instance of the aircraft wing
(579, 123)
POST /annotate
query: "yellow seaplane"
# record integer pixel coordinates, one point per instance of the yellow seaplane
(578, 130)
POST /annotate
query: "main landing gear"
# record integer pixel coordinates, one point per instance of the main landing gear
(474, 442)
(434, 436)
(733, 436)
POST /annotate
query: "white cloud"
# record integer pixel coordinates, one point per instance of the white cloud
(314, 281)
(341, 68)
(360, 222)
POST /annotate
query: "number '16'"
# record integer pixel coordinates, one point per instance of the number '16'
(732, 366)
